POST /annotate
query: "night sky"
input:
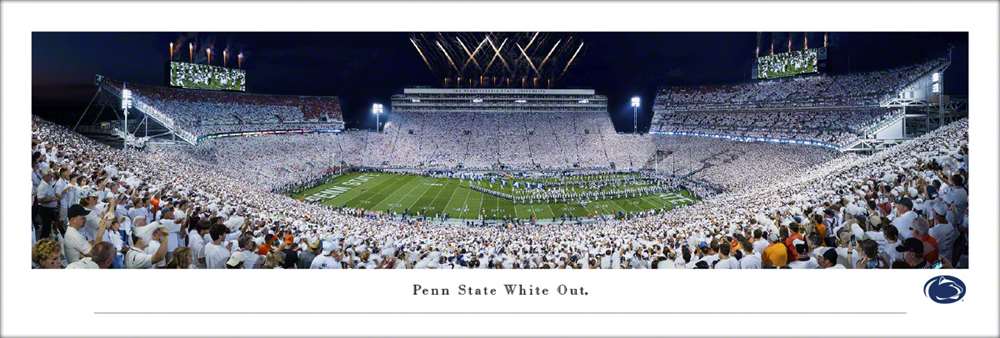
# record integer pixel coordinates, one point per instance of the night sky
(362, 68)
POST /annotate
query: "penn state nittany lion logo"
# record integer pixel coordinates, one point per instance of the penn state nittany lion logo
(944, 289)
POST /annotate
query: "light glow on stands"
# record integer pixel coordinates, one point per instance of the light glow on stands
(749, 139)
(936, 77)
(477, 100)
(415, 100)
(266, 132)
(521, 101)
(584, 101)
(377, 109)
(936, 88)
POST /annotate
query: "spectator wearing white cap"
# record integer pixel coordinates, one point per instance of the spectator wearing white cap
(150, 248)
(326, 258)
(943, 232)
(88, 199)
(235, 261)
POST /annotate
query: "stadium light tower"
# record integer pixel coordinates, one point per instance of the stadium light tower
(377, 110)
(635, 114)
(126, 105)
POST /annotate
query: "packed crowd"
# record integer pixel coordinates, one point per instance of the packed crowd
(429, 141)
(832, 111)
(718, 165)
(854, 89)
(288, 161)
(99, 207)
(834, 127)
(204, 112)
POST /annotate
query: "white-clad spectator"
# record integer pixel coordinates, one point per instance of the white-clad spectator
(327, 258)
(150, 247)
(943, 232)
(76, 246)
(102, 257)
(217, 253)
(904, 217)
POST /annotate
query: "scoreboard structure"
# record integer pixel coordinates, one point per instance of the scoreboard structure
(206, 77)
(790, 63)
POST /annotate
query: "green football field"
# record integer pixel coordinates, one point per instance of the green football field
(434, 196)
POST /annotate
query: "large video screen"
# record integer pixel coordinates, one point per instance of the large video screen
(787, 64)
(199, 76)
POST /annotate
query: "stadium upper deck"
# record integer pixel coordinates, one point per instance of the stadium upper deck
(498, 100)
(203, 113)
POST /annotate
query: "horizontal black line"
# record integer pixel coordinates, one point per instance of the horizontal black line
(392, 313)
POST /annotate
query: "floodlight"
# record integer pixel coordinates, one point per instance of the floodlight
(635, 101)
(377, 110)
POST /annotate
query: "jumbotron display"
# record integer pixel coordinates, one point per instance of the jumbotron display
(787, 64)
(199, 76)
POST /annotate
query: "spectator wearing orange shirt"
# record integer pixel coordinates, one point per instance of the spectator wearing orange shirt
(921, 232)
(265, 248)
(154, 203)
(776, 254)
(820, 226)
